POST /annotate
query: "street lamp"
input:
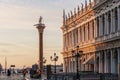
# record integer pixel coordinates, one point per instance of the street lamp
(77, 54)
(55, 58)
(44, 61)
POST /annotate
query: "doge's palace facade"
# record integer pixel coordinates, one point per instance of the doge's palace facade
(95, 28)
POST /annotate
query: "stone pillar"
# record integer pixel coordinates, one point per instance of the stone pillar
(86, 32)
(67, 40)
(105, 62)
(64, 65)
(95, 63)
(99, 63)
(91, 29)
(109, 61)
(63, 42)
(72, 39)
(78, 35)
(106, 23)
(82, 33)
(113, 62)
(111, 53)
(113, 17)
(111, 29)
(118, 8)
(118, 49)
(40, 26)
(99, 25)
(95, 27)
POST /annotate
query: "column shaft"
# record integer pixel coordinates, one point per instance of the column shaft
(95, 27)
(111, 28)
(111, 53)
(118, 8)
(105, 62)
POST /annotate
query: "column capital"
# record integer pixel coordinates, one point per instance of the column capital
(40, 27)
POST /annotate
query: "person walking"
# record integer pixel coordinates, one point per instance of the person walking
(8, 72)
(24, 72)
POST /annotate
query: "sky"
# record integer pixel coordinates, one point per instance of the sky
(19, 36)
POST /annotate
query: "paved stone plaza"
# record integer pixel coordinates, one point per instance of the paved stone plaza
(16, 77)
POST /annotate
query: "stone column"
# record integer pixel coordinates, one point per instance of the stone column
(111, 53)
(107, 23)
(118, 8)
(40, 26)
(90, 31)
(95, 63)
(105, 62)
(106, 27)
(64, 65)
(86, 32)
(78, 35)
(95, 27)
(113, 17)
(66, 40)
(63, 42)
(72, 38)
(82, 28)
(99, 25)
(118, 50)
(99, 63)
(111, 29)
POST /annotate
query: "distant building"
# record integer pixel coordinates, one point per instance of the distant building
(1, 68)
(95, 28)
(59, 68)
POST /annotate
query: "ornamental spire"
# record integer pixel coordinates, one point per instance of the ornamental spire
(86, 4)
(82, 7)
(74, 11)
(78, 8)
(64, 17)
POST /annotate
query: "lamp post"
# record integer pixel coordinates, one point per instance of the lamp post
(44, 61)
(77, 54)
(55, 59)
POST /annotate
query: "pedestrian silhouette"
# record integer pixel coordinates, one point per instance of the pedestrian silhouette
(24, 72)
(8, 72)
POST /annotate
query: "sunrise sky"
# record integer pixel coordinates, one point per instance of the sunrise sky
(18, 36)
